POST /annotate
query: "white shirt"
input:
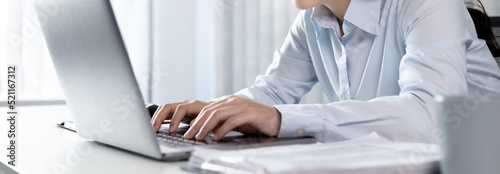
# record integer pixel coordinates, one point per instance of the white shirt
(382, 75)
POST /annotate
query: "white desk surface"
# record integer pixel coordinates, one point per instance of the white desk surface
(43, 147)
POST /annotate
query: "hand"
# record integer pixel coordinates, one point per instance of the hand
(179, 110)
(232, 113)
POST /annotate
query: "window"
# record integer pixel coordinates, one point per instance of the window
(23, 45)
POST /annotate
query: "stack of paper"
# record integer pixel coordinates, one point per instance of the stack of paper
(369, 154)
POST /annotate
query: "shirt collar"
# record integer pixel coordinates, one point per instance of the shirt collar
(364, 14)
(324, 17)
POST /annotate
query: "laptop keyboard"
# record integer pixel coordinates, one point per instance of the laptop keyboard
(177, 139)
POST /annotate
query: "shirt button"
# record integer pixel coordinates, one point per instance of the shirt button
(347, 97)
(300, 131)
(348, 28)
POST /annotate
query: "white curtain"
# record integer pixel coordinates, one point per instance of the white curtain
(183, 51)
(22, 44)
(247, 34)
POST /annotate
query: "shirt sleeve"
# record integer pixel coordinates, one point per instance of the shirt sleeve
(434, 64)
(290, 75)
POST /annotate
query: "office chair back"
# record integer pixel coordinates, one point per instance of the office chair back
(495, 23)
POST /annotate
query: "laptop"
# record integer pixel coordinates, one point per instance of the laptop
(100, 89)
(469, 133)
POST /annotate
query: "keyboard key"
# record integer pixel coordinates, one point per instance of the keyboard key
(176, 139)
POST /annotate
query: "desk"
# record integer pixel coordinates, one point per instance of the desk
(45, 148)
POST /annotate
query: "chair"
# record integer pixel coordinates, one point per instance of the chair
(495, 22)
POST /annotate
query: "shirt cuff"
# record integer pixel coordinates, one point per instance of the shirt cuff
(298, 121)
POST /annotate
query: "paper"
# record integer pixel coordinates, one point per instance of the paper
(369, 154)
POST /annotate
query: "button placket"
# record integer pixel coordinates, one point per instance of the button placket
(343, 76)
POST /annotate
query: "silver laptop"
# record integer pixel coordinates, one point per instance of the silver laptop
(100, 88)
(470, 128)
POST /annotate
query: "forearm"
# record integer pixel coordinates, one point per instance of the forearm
(402, 118)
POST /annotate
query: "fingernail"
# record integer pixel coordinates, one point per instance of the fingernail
(216, 137)
(171, 128)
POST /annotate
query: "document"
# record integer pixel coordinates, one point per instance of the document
(368, 154)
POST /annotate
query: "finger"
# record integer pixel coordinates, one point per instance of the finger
(190, 108)
(203, 116)
(155, 115)
(192, 122)
(162, 114)
(200, 119)
(234, 122)
(218, 116)
(218, 126)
